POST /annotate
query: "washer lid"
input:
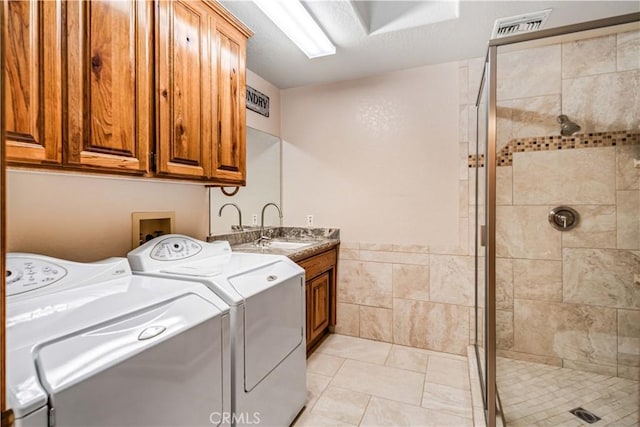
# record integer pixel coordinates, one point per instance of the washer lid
(35, 322)
(80, 355)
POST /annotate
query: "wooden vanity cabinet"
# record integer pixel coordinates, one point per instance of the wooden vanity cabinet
(320, 287)
(32, 73)
(108, 86)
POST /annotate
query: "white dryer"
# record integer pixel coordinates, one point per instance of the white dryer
(267, 301)
(93, 345)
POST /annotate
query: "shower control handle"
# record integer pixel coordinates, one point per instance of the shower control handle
(563, 218)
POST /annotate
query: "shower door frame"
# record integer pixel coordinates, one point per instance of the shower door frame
(490, 78)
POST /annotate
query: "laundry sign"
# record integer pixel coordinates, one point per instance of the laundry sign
(257, 101)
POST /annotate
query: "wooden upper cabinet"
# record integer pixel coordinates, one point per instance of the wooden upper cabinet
(184, 98)
(229, 155)
(86, 90)
(200, 62)
(32, 37)
(109, 85)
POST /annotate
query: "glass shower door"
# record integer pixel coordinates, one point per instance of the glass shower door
(567, 305)
(478, 175)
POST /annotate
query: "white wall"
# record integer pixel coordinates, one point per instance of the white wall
(257, 121)
(263, 186)
(376, 157)
(87, 217)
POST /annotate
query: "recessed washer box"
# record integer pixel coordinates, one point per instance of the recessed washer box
(147, 225)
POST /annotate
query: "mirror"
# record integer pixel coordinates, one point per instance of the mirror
(263, 186)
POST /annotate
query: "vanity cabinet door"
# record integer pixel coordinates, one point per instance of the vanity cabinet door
(319, 288)
(321, 277)
(32, 73)
(109, 75)
(307, 288)
(185, 61)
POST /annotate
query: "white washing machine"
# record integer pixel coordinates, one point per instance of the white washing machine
(267, 300)
(93, 345)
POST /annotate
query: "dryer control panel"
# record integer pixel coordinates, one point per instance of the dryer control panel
(24, 275)
(29, 275)
(171, 250)
(175, 248)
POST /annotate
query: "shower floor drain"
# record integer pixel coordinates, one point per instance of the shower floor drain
(585, 415)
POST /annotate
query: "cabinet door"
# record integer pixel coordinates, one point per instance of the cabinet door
(319, 304)
(33, 64)
(185, 108)
(109, 72)
(307, 288)
(229, 157)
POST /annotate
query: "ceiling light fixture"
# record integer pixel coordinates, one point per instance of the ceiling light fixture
(294, 20)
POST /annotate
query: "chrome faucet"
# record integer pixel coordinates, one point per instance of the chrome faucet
(239, 227)
(262, 237)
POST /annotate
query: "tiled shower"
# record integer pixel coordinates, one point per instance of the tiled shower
(568, 298)
(567, 303)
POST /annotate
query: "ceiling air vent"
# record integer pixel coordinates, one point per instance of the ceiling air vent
(520, 24)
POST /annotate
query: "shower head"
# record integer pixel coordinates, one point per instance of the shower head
(567, 127)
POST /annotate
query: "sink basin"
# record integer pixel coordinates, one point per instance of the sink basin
(277, 244)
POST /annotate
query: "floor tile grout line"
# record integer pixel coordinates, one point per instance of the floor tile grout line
(365, 411)
(350, 391)
(394, 367)
(442, 355)
(424, 383)
(388, 355)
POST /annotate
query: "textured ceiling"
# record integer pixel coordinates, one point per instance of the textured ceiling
(376, 37)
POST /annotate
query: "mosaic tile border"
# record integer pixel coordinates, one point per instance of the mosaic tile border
(476, 160)
(557, 142)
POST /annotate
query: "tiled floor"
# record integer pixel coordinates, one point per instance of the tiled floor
(542, 395)
(358, 382)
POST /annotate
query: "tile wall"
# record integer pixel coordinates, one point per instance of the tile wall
(570, 298)
(567, 299)
(405, 294)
